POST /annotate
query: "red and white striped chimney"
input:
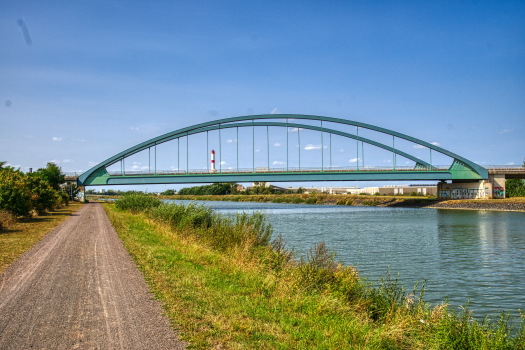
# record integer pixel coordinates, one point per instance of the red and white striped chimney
(212, 160)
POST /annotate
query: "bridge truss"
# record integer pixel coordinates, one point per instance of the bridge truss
(461, 168)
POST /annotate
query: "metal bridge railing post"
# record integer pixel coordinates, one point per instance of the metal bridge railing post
(253, 146)
(299, 143)
(322, 148)
(237, 149)
(330, 151)
(187, 154)
(357, 140)
(220, 151)
(155, 159)
(394, 152)
(268, 146)
(287, 144)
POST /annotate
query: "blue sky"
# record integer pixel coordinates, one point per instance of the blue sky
(84, 80)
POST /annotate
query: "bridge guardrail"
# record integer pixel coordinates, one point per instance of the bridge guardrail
(274, 170)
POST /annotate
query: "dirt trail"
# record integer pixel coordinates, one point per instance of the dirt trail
(79, 289)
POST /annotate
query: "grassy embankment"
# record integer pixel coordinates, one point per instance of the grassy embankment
(20, 235)
(360, 200)
(225, 285)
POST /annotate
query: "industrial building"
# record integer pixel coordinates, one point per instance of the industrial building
(420, 189)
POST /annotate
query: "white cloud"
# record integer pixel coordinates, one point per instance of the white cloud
(80, 140)
(57, 138)
(293, 129)
(223, 162)
(56, 161)
(134, 128)
(257, 150)
(229, 141)
(504, 131)
(435, 143)
(353, 160)
(419, 146)
(92, 163)
(387, 161)
(325, 147)
(310, 147)
(67, 161)
(277, 163)
(275, 111)
(136, 163)
(341, 150)
(511, 163)
(230, 168)
(277, 144)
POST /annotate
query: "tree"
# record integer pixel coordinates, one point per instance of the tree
(52, 173)
(300, 190)
(514, 188)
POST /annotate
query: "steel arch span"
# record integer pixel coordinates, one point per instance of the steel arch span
(461, 168)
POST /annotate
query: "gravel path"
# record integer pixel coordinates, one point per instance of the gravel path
(78, 288)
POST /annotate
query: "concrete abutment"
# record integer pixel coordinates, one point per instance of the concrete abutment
(494, 187)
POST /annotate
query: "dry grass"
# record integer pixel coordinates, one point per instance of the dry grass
(21, 235)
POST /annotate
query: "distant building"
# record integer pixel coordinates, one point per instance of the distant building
(424, 190)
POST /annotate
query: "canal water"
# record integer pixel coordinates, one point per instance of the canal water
(461, 254)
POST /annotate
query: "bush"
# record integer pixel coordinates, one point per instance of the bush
(137, 202)
(311, 200)
(15, 196)
(6, 219)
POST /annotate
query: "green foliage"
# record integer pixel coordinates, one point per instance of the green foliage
(317, 289)
(514, 188)
(137, 202)
(22, 193)
(168, 193)
(210, 227)
(300, 190)
(44, 197)
(213, 189)
(15, 195)
(52, 174)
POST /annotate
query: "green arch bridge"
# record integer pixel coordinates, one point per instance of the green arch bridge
(461, 169)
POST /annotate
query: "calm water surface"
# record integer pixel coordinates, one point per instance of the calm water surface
(462, 254)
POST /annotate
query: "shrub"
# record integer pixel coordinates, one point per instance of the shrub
(15, 196)
(137, 202)
(6, 219)
(311, 200)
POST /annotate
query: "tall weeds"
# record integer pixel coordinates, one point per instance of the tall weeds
(387, 304)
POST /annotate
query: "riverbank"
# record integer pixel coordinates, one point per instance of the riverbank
(510, 204)
(251, 293)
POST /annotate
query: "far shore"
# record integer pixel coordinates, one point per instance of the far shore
(509, 204)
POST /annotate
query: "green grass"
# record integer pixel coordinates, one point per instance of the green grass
(253, 294)
(21, 235)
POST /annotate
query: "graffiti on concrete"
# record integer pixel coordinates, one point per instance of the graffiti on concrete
(499, 192)
(464, 193)
(444, 194)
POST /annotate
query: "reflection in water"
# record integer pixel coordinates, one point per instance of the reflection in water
(462, 254)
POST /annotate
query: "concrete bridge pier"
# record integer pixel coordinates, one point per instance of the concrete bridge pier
(494, 187)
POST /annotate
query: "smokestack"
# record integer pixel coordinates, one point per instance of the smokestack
(213, 161)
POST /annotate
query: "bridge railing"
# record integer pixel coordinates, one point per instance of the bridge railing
(265, 170)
